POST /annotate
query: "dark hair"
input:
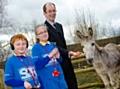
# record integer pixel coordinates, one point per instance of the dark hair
(44, 7)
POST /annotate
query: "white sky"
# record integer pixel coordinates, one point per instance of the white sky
(27, 10)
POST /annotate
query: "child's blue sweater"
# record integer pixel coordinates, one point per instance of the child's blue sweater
(16, 73)
(46, 67)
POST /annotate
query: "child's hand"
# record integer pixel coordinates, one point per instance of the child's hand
(53, 53)
(27, 85)
(57, 55)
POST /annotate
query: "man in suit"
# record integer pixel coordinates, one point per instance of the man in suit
(56, 34)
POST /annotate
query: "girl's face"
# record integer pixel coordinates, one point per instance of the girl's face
(42, 33)
(20, 46)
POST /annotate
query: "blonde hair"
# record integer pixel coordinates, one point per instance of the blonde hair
(37, 40)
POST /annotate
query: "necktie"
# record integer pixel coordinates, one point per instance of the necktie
(60, 35)
(55, 27)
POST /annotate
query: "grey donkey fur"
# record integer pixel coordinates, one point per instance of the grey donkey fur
(105, 60)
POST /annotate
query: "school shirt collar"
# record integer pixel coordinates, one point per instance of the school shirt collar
(20, 55)
(44, 43)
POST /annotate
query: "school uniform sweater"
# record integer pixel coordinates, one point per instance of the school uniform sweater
(48, 81)
(16, 73)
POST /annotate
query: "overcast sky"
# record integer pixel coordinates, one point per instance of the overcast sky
(27, 10)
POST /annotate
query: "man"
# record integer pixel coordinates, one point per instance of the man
(56, 34)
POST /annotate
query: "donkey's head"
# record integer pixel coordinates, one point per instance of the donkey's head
(87, 44)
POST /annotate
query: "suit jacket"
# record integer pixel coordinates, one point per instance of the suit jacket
(54, 37)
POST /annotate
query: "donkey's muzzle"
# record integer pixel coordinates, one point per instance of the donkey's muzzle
(90, 60)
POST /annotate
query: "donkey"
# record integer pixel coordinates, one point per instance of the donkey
(105, 60)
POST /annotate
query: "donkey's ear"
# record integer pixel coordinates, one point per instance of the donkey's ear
(79, 34)
(90, 31)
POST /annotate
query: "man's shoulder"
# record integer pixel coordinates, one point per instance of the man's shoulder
(58, 23)
(46, 22)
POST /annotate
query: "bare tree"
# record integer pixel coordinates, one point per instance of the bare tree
(86, 18)
(83, 20)
(2, 12)
(3, 24)
(10, 28)
(3, 15)
(26, 29)
(111, 30)
(70, 34)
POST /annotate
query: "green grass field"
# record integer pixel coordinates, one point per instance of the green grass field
(9, 88)
(87, 78)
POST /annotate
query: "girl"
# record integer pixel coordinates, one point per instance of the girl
(49, 71)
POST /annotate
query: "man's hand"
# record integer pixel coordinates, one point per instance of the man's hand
(71, 53)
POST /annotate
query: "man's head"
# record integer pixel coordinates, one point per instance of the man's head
(19, 43)
(49, 11)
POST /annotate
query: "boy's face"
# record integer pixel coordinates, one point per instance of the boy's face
(20, 46)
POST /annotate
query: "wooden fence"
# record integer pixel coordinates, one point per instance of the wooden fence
(81, 68)
(102, 42)
(2, 85)
(85, 69)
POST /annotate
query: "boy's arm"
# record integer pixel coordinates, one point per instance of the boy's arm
(9, 76)
(14, 83)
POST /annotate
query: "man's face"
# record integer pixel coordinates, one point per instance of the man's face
(50, 13)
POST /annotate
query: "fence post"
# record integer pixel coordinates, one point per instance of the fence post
(2, 85)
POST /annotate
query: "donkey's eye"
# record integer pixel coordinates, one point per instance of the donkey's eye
(92, 44)
(82, 47)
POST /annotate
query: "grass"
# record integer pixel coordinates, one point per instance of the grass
(88, 77)
(9, 88)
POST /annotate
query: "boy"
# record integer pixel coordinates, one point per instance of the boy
(20, 70)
